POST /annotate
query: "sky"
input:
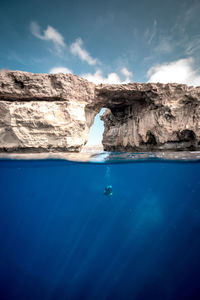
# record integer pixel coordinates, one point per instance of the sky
(108, 41)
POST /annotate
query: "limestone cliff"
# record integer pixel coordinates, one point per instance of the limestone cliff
(54, 112)
(148, 116)
(45, 112)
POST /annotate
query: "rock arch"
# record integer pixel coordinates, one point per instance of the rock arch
(54, 112)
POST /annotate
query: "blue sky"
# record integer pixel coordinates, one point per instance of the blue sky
(104, 41)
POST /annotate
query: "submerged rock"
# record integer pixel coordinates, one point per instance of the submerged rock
(54, 112)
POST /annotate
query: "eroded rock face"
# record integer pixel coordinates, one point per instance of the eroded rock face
(150, 117)
(54, 112)
(45, 112)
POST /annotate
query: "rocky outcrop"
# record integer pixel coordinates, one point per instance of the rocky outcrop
(54, 112)
(150, 117)
(45, 112)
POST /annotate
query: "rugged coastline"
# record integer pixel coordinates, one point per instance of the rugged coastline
(54, 113)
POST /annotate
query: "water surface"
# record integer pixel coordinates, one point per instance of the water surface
(62, 238)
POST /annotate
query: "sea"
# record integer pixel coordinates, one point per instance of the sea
(115, 226)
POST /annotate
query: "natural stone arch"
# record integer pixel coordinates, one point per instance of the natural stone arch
(54, 112)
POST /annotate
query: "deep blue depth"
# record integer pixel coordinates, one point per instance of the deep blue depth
(61, 237)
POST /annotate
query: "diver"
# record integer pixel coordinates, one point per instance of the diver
(108, 190)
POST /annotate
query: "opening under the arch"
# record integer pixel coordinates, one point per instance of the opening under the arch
(96, 131)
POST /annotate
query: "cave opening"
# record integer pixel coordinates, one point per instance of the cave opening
(96, 131)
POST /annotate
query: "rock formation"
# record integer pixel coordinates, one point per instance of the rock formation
(150, 117)
(45, 112)
(54, 112)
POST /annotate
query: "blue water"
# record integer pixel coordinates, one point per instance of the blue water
(62, 238)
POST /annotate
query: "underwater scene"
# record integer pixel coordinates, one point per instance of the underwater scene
(74, 230)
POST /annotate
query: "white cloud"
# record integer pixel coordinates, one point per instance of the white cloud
(165, 45)
(35, 30)
(191, 12)
(59, 70)
(193, 45)
(127, 74)
(151, 33)
(97, 77)
(76, 48)
(50, 34)
(112, 78)
(180, 71)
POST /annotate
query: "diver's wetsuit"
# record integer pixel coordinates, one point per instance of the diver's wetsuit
(108, 190)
